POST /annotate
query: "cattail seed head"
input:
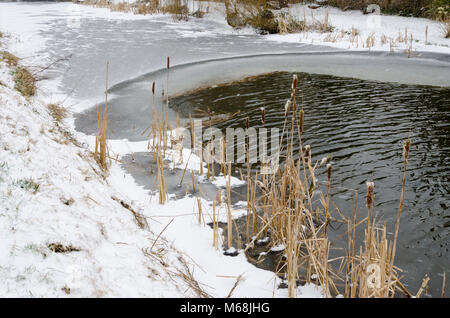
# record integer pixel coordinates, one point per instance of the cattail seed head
(286, 107)
(301, 120)
(247, 123)
(168, 62)
(294, 82)
(329, 171)
(307, 152)
(406, 148)
(263, 115)
(369, 198)
(153, 88)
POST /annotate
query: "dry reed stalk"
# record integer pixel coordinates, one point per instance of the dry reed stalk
(406, 148)
(443, 286)
(223, 155)
(238, 280)
(215, 228)
(101, 148)
(162, 193)
(219, 197)
(423, 286)
(193, 182)
(167, 225)
(200, 215)
(229, 218)
(247, 229)
(325, 22)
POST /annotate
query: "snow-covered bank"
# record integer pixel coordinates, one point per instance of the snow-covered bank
(64, 231)
(354, 30)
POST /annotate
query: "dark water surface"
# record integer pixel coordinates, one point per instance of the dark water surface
(363, 125)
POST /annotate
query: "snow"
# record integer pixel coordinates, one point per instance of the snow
(76, 204)
(367, 25)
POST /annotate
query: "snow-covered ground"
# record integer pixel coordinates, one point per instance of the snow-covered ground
(388, 32)
(52, 191)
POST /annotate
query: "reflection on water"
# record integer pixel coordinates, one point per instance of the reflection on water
(363, 125)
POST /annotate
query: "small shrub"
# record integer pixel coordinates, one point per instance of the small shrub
(440, 10)
(254, 13)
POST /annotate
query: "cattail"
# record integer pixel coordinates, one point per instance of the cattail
(286, 107)
(263, 115)
(369, 198)
(153, 88)
(307, 153)
(247, 123)
(294, 83)
(426, 35)
(301, 120)
(328, 171)
(168, 62)
(406, 148)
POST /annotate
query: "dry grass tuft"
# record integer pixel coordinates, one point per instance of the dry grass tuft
(178, 8)
(187, 275)
(24, 81)
(9, 58)
(58, 112)
(60, 248)
(140, 219)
